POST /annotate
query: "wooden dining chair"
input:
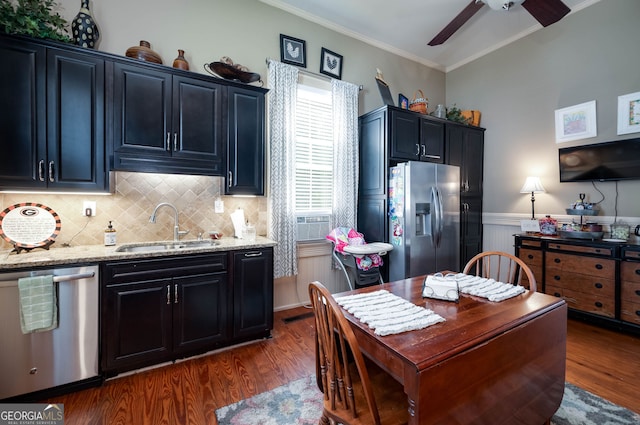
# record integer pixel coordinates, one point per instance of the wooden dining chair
(356, 392)
(502, 267)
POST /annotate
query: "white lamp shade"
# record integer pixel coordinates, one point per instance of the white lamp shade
(532, 184)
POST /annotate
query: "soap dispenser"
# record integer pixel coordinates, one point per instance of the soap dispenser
(109, 235)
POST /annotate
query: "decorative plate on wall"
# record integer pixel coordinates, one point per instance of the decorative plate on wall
(29, 225)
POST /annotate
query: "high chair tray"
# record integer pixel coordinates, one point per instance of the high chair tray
(380, 248)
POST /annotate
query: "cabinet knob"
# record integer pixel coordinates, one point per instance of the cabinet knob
(253, 254)
(424, 150)
(556, 294)
(638, 271)
(175, 142)
(598, 304)
(637, 312)
(556, 260)
(229, 179)
(168, 294)
(168, 141)
(175, 293)
(599, 266)
(598, 285)
(556, 277)
(638, 292)
(530, 257)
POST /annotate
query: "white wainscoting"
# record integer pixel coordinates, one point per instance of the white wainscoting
(314, 263)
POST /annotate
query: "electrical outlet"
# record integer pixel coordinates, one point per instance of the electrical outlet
(89, 208)
(218, 206)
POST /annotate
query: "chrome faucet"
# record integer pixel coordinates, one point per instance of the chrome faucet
(176, 227)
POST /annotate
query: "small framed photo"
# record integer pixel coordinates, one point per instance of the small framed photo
(403, 101)
(331, 64)
(293, 51)
(576, 122)
(629, 113)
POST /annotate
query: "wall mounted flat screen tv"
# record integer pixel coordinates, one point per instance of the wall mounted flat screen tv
(601, 161)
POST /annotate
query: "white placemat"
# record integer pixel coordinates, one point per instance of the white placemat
(487, 288)
(387, 313)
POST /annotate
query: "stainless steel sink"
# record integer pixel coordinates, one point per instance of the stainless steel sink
(166, 246)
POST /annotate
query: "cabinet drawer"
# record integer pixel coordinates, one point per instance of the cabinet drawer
(584, 284)
(629, 271)
(127, 271)
(590, 303)
(630, 253)
(587, 265)
(527, 242)
(630, 291)
(630, 312)
(581, 249)
(531, 256)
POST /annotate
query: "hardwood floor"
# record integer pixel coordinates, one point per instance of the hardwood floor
(604, 362)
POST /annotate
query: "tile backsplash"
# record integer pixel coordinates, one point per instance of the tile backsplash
(133, 200)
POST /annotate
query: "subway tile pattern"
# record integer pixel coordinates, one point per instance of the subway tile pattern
(134, 197)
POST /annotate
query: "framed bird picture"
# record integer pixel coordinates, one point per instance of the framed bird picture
(293, 51)
(331, 64)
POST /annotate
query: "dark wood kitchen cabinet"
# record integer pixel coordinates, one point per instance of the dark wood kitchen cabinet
(53, 117)
(413, 137)
(253, 293)
(465, 148)
(246, 141)
(166, 122)
(390, 135)
(157, 310)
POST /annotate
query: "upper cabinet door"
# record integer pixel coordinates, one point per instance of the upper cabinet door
(431, 141)
(52, 121)
(23, 118)
(197, 115)
(404, 134)
(141, 105)
(75, 121)
(245, 151)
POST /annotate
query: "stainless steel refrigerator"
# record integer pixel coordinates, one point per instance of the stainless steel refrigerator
(424, 224)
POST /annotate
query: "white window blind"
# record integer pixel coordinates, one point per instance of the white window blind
(314, 150)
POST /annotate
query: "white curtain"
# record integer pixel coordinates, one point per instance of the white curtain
(345, 154)
(283, 80)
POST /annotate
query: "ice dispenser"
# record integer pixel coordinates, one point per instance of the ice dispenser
(423, 218)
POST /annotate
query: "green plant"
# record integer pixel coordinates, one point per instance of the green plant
(455, 114)
(34, 18)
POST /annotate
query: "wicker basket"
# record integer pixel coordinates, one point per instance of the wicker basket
(419, 104)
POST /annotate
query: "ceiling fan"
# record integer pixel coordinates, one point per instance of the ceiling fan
(546, 12)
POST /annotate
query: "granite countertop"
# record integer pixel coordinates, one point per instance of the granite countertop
(83, 254)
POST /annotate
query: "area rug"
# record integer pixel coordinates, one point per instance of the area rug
(300, 403)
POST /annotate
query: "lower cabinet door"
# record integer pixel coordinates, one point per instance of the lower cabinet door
(253, 293)
(200, 311)
(139, 331)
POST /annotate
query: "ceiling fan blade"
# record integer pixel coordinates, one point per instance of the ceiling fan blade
(546, 12)
(456, 23)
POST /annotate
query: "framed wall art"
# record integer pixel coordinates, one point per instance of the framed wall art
(576, 122)
(403, 101)
(629, 113)
(331, 64)
(293, 51)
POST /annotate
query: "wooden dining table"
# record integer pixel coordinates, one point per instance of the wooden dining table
(488, 363)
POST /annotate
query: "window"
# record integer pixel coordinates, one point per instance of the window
(314, 150)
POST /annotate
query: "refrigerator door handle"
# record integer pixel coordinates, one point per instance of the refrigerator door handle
(439, 212)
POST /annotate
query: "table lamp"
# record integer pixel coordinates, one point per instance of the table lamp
(533, 185)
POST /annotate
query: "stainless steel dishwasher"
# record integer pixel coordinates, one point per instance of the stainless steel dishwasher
(67, 354)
